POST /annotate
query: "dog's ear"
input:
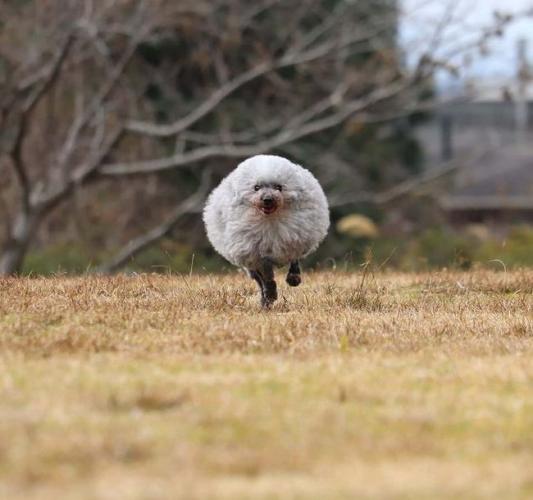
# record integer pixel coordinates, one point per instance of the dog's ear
(293, 194)
(239, 192)
(294, 191)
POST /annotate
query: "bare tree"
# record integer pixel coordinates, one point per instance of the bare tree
(74, 115)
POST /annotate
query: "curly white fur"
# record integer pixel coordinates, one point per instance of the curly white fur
(244, 235)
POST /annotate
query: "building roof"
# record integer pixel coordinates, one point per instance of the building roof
(500, 179)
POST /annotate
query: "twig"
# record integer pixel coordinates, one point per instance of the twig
(133, 247)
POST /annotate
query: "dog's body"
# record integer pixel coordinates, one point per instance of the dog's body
(267, 212)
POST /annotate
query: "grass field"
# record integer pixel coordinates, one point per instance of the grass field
(403, 386)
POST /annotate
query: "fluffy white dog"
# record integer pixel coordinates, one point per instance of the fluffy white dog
(267, 212)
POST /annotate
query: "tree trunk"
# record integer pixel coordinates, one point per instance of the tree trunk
(14, 251)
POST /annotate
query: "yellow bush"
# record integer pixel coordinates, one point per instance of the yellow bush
(357, 226)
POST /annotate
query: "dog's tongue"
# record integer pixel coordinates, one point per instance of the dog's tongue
(268, 210)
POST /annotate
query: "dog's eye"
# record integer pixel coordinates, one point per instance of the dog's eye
(257, 187)
(278, 187)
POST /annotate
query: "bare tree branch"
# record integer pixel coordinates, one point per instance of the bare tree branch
(51, 75)
(192, 204)
(83, 119)
(30, 89)
(18, 166)
(411, 185)
(45, 198)
(284, 136)
(291, 58)
(16, 153)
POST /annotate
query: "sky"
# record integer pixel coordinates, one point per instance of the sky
(466, 17)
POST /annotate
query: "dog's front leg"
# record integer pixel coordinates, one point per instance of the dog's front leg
(270, 291)
(256, 275)
(293, 276)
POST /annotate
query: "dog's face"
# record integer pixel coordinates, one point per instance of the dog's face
(267, 197)
(268, 187)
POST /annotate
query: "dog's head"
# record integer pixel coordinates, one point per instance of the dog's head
(271, 186)
(271, 193)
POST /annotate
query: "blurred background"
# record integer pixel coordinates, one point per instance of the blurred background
(117, 117)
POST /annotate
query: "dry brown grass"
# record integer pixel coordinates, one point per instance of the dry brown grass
(414, 385)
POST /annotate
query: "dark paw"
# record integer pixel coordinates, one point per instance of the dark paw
(270, 294)
(293, 279)
(266, 303)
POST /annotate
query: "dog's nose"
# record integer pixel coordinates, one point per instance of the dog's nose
(268, 201)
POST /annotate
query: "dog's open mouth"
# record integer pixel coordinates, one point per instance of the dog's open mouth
(268, 209)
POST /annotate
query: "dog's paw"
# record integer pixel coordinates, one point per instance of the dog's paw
(293, 279)
(269, 295)
(266, 303)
